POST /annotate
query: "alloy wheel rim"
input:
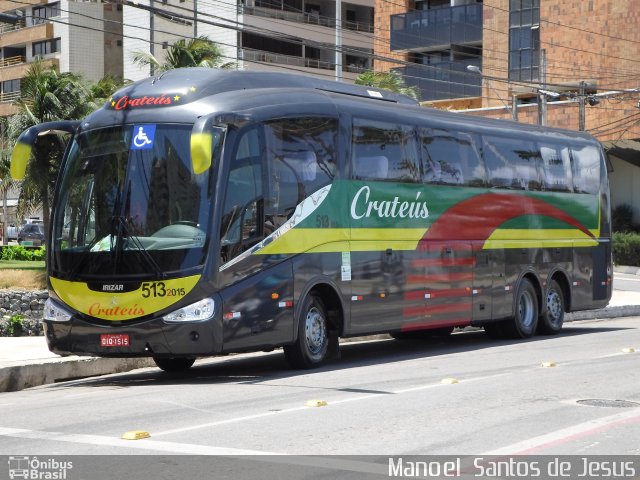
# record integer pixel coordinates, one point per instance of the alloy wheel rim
(315, 332)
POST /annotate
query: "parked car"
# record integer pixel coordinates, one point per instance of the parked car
(31, 234)
(12, 232)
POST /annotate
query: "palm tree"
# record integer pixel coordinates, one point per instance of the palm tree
(106, 86)
(390, 80)
(195, 52)
(46, 95)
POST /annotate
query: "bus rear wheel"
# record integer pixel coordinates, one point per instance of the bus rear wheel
(174, 364)
(550, 322)
(525, 321)
(310, 349)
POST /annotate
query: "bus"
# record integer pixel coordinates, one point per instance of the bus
(203, 211)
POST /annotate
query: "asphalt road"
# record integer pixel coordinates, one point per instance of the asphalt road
(383, 397)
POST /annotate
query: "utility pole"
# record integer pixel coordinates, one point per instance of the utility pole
(514, 107)
(581, 107)
(338, 40)
(542, 98)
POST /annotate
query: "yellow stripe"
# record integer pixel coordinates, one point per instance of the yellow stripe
(316, 240)
(538, 238)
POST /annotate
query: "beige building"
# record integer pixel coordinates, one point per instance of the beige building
(275, 35)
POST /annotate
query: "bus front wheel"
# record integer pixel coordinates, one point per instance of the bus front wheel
(310, 349)
(174, 364)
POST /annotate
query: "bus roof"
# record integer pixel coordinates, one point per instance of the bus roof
(193, 92)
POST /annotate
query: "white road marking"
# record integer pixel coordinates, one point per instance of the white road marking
(336, 463)
(564, 435)
(145, 444)
(331, 402)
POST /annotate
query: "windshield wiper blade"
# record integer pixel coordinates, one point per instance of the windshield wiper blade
(123, 227)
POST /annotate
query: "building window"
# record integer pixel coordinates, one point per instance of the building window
(44, 48)
(524, 40)
(40, 14)
(9, 86)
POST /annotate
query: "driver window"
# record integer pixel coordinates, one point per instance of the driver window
(240, 225)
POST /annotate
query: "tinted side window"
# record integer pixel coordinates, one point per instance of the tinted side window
(586, 169)
(556, 164)
(384, 151)
(243, 197)
(450, 157)
(512, 163)
(301, 158)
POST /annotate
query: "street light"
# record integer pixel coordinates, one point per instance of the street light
(513, 111)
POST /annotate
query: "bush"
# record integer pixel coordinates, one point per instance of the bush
(626, 249)
(18, 252)
(622, 218)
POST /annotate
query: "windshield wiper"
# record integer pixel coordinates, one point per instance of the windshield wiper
(121, 223)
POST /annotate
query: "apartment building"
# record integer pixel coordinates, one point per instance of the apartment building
(76, 36)
(564, 63)
(276, 35)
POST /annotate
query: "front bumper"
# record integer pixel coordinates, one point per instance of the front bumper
(149, 338)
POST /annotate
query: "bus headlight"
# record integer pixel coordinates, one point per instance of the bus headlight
(196, 312)
(54, 312)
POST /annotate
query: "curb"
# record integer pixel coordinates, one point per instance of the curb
(19, 377)
(607, 312)
(62, 369)
(626, 269)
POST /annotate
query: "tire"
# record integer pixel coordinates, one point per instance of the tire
(311, 347)
(494, 330)
(174, 364)
(525, 321)
(550, 322)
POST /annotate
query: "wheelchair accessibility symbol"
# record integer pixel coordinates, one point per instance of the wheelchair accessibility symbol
(143, 137)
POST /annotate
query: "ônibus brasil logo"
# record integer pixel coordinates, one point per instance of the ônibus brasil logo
(33, 468)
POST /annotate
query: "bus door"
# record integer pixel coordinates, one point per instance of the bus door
(257, 290)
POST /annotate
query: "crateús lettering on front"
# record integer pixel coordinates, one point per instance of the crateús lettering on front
(364, 205)
(99, 310)
(147, 101)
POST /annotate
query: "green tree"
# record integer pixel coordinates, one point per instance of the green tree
(106, 86)
(46, 95)
(390, 80)
(195, 52)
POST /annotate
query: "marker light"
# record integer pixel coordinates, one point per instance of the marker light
(54, 312)
(196, 312)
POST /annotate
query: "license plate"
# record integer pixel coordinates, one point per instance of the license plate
(114, 340)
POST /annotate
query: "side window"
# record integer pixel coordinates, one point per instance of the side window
(512, 163)
(241, 225)
(556, 164)
(586, 169)
(384, 151)
(451, 158)
(300, 159)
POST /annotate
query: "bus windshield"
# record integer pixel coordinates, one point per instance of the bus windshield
(131, 203)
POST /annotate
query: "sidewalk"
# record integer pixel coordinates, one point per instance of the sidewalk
(27, 362)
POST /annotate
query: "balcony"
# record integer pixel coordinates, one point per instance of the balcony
(443, 80)
(423, 30)
(269, 61)
(27, 35)
(308, 18)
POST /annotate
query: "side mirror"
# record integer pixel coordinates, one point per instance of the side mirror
(24, 146)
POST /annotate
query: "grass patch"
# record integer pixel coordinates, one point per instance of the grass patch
(21, 265)
(31, 277)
